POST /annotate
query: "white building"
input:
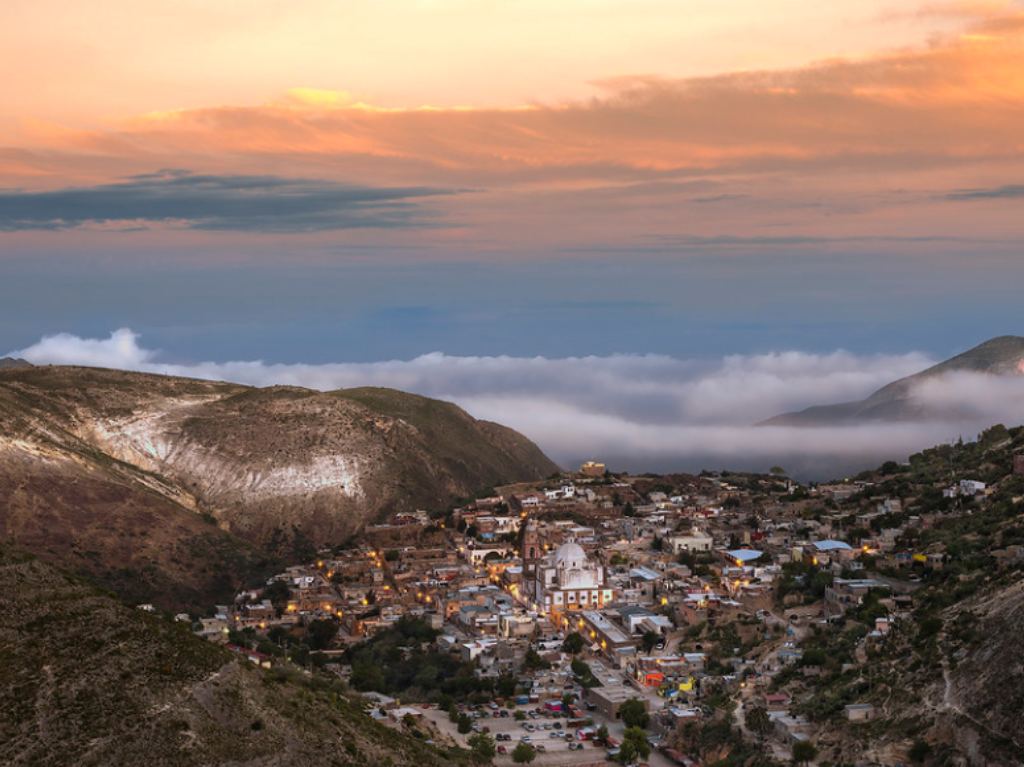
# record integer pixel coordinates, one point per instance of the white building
(696, 541)
(567, 580)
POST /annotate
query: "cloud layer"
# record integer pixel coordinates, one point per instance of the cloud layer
(641, 412)
(216, 202)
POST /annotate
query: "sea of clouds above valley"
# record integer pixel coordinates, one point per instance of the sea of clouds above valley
(638, 412)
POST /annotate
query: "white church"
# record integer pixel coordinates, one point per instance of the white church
(566, 580)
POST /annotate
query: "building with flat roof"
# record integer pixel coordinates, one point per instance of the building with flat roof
(609, 699)
(599, 630)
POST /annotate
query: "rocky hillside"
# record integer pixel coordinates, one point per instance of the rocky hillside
(895, 401)
(85, 680)
(180, 487)
(947, 681)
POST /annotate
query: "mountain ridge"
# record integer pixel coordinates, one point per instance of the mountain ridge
(895, 401)
(110, 470)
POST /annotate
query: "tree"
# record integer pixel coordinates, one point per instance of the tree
(634, 713)
(634, 745)
(649, 640)
(278, 593)
(320, 633)
(804, 751)
(366, 676)
(628, 510)
(920, 751)
(602, 733)
(523, 753)
(482, 746)
(520, 715)
(505, 685)
(777, 471)
(533, 661)
(573, 643)
(758, 721)
(464, 724)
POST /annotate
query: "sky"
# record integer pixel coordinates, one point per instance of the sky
(351, 182)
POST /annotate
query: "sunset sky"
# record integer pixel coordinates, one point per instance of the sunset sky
(362, 180)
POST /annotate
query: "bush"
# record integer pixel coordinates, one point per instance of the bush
(523, 753)
(804, 751)
(482, 746)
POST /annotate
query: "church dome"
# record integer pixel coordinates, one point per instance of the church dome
(570, 555)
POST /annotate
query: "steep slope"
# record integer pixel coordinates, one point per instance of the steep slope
(895, 401)
(113, 471)
(85, 680)
(949, 675)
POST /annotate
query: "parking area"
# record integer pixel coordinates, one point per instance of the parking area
(550, 734)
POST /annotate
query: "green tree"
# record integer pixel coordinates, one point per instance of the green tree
(602, 733)
(573, 643)
(278, 593)
(533, 661)
(367, 676)
(321, 633)
(482, 746)
(505, 686)
(464, 724)
(520, 715)
(920, 751)
(758, 721)
(634, 745)
(649, 640)
(804, 751)
(634, 713)
(523, 753)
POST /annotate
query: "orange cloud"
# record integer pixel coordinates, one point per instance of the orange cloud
(963, 98)
(853, 146)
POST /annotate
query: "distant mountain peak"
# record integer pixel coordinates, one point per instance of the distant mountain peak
(11, 363)
(1001, 355)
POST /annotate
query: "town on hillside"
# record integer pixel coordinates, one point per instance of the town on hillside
(650, 619)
